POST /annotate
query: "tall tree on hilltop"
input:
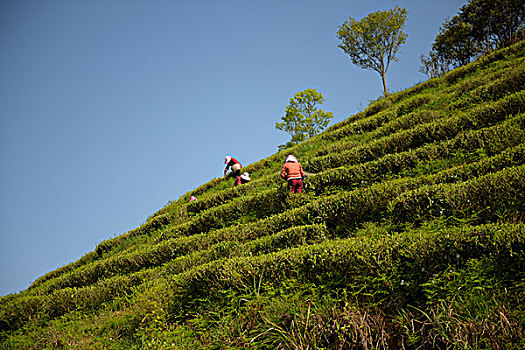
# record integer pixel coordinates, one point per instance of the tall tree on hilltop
(302, 118)
(373, 42)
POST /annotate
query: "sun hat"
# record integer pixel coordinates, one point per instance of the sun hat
(291, 158)
(246, 177)
(227, 159)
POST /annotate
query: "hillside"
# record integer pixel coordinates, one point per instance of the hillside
(409, 234)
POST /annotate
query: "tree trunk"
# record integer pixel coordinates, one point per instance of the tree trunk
(383, 77)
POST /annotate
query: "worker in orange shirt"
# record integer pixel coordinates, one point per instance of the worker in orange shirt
(293, 173)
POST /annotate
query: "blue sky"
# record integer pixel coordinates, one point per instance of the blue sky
(111, 108)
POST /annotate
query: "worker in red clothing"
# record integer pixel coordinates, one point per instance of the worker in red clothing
(234, 164)
(242, 179)
(293, 173)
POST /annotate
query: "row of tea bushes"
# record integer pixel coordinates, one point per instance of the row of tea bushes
(447, 128)
(430, 115)
(343, 211)
(161, 220)
(511, 157)
(479, 78)
(384, 275)
(484, 64)
(40, 309)
(476, 139)
(347, 177)
(54, 303)
(452, 78)
(375, 121)
(362, 265)
(485, 61)
(288, 238)
(510, 80)
(360, 126)
(486, 198)
(60, 302)
(491, 140)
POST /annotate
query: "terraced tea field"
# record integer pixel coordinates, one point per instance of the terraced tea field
(409, 234)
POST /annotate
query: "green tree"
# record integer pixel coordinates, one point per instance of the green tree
(434, 65)
(455, 42)
(302, 118)
(495, 23)
(479, 27)
(373, 42)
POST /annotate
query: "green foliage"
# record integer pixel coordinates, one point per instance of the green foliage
(454, 44)
(303, 119)
(495, 23)
(433, 66)
(373, 42)
(480, 27)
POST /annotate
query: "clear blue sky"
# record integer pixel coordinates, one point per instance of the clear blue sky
(111, 108)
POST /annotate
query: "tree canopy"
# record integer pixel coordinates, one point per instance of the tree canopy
(479, 27)
(455, 42)
(373, 42)
(495, 23)
(302, 118)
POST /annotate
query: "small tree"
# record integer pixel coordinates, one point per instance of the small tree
(434, 66)
(373, 42)
(302, 118)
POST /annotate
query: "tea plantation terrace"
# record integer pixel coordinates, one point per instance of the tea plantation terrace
(409, 234)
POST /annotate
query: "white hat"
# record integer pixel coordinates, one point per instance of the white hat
(291, 158)
(246, 177)
(227, 159)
